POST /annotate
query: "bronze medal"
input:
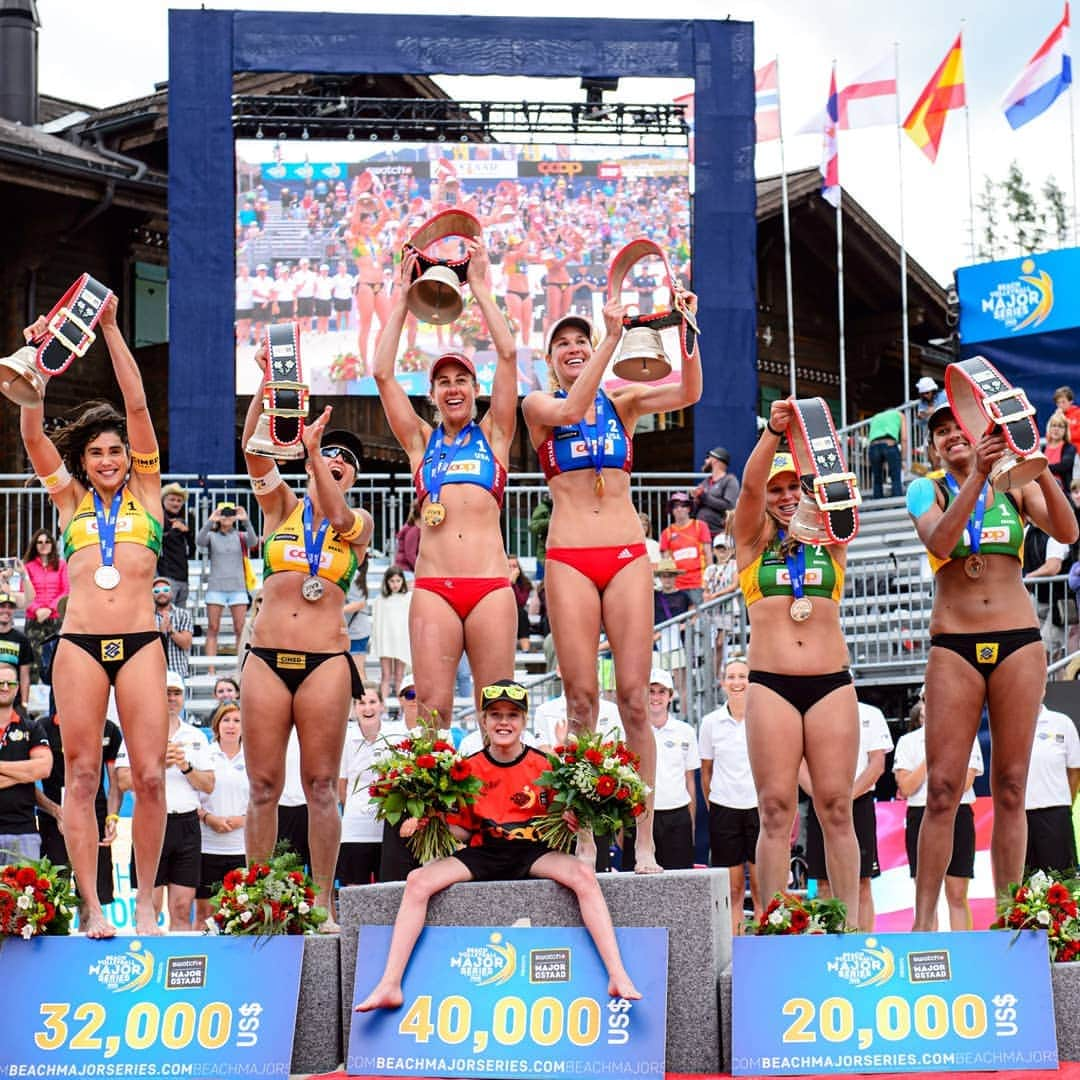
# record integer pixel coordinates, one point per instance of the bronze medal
(434, 514)
(801, 608)
(312, 589)
(974, 566)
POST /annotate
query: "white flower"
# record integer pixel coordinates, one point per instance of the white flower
(24, 903)
(1039, 883)
(245, 916)
(611, 764)
(1043, 918)
(27, 931)
(29, 890)
(242, 898)
(777, 917)
(211, 926)
(303, 907)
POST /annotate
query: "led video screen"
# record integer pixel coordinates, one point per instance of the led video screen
(320, 227)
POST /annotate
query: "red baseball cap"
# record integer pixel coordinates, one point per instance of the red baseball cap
(453, 358)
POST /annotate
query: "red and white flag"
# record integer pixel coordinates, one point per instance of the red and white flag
(867, 102)
(767, 102)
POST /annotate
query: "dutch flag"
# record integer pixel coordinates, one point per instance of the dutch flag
(1047, 75)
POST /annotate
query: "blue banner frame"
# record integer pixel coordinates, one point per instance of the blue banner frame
(511, 1001)
(891, 1003)
(137, 1006)
(207, 47)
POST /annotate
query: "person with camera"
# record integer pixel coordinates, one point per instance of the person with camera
(227, 537)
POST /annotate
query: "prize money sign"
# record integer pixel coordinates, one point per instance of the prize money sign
(510, 1001)
(192, 1007)
(892, 1003)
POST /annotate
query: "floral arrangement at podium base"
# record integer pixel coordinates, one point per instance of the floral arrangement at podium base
(35, 898)
(790, 914)
(1049, 902)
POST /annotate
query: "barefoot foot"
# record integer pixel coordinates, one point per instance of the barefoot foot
(382, 997)
(329, 927)
(97, 926)
(622, 985)
(146, 921)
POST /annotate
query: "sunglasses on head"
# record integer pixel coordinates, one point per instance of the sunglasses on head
(342, 454)
(513, 692)
(408, 695)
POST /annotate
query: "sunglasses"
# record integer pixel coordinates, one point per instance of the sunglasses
(341, 454)
(408, 695)
(513, 692)
(5, 685)
(158, 589)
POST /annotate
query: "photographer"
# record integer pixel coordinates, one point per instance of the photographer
(227, 537)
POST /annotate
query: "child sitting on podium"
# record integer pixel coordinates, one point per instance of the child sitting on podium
(501, 845)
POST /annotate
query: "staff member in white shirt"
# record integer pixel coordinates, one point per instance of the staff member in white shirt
(909, 767)
(1053, 779)
(361, 832)
(874, 743)
(341, 292)
(186, 776)
(245, 303)
(284, 294)
(677, 762)
(728, 783)
(324, 303)
(304, 281)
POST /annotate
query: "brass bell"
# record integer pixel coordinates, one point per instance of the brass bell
(808, 523)
(641, 356)
(20, 379)
(435, 296)
(262, 445)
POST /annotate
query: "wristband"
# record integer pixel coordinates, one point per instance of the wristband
(266, 483)
(357, 529)
(146, 463)
(184, 772)
(56, 481)
(773, 431)
(111, 817)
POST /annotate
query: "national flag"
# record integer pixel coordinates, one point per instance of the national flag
(944, 91)
(830, 155)
(767, 103)
(871, 98)
(1047, 75)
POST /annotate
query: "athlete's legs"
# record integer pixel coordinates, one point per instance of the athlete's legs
(365, 309)
(489, 639)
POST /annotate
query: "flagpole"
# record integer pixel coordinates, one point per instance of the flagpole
(967, 140)
(840, 279)
(904, 336)
(787, 240)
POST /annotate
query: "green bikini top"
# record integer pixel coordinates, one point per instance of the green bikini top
(1002, 530)
(768, 575)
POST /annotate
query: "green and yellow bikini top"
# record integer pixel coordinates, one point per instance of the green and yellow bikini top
(284, 550)
(1002, 530)
(134, 525)
(768, 575)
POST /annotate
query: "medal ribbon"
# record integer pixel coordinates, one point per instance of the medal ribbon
(796, 567)
(106, 525)
(313, 542)
(593, 435)
(975, 522)
(436, 470)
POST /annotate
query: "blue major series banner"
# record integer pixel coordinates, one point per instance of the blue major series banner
(892, 1003)
(186, 1006)
(511, 1001)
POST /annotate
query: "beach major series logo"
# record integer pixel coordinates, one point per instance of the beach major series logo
(487, 965)
(122, 972)
(1025, 302)
(872, 965)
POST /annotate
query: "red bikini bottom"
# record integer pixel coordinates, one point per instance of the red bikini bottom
(462, 593)
(598, 564)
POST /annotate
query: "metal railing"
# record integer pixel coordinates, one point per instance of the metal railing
(855, 439)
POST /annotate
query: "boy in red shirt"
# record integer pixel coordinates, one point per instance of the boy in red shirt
(688, 542)
(499, 831)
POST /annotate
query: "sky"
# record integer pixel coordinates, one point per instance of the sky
(122, 50)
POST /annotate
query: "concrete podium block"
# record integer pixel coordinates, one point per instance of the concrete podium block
(693, 905)
(317, 1044)
(725, 1019)
(1065, 979)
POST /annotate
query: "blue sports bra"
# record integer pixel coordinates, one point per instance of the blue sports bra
(566, 449)
(474, 463)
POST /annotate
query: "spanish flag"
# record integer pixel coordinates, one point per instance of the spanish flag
(944, 91)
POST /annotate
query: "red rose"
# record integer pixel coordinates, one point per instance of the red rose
(393, 774)
(44, 884)
(425, 761)
(460, 771)
(1057, 894)
(408, 770)
(251, 876)
(373, 791)
(638, 810)
(593, 756)
(560, 749)
(232, 879)
(26, 875)
(1021, 895)
(297, 876)
(622, 794)
(50, 911)
(799, 921)
(405, 744)
(605, 786)
(440, 745)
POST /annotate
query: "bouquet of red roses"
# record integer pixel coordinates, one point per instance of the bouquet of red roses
(424, 777)
(1045, 902)
(790, 914)
(35, 898)
(596, 779)
(275, 897)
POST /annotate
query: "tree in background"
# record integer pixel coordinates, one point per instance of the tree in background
(1014, 221)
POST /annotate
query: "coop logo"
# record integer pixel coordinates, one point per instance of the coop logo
(1023, 303)
(486, 965)
(124, 971)
(872, 965)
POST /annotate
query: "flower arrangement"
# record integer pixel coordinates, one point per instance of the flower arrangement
(412, 359)
(790, 914)
(471, 327)
(595, 778)
(275, 897)
(35, 898)
(423, 777)
(346, 367)
(1045, 902)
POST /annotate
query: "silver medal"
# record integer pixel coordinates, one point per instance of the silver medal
(801, 609)
(106, 577)
(312, 589)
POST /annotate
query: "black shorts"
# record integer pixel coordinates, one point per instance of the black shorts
(673, 837)
(261, 312)
(305, 306)
(733, 835)
(181, 853)
(510, 860)
(244, 313)
(962, 863)
(342, 305)
(1051, 843)
(292, 826)
(213, 871)
(323, 308)
(54, 849)
(285, 309)
(862, 812)
(395, 858)
(358, 863)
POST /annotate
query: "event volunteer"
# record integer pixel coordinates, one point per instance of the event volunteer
(801, 701)
(298, 671)
(1052, 783)
(361, 831)
(596, 571)
(462, 600)
(985, 647)
(103, 475)
(25, 758)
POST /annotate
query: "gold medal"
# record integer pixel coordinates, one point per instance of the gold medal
(598, 485)
(434, 513)
(974, 566)
(801, 608)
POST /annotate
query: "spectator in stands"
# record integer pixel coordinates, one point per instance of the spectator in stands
(1045, 557)
(49, 576)
(985, 646)
(1065, 402)
(522, 586)
(909, 766)
(1052, 782)
(390, 629)
(801, 700)
(875, 742)
(407, 540)
(223, 811)
(719, 491)
(177, 542)
(226, 688)
(721, 581)
(174, 625)
(187, 775)
(227, 536)
(16, 583)
(361, 831)
(15, 648)
(930, 396)
(1059, 451)
(729, 788)
(539, 523)
(669, 603)
(888, 439)
(25, 758)
(689, 543)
